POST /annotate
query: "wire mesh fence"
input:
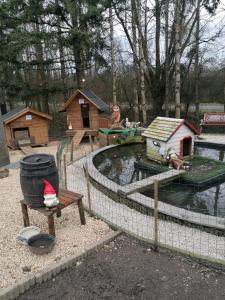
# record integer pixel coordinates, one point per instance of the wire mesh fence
(159, 207)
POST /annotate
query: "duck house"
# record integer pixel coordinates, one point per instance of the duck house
(86, 111)
(26, 126)
(169, 134)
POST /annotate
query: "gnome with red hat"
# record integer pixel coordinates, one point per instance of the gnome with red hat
(50, 195)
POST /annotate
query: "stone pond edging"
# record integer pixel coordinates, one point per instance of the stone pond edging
(19, 288)
(130, 196)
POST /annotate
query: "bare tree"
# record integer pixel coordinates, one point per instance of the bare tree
(113, 66)
(177, 57)
(135, 63)
(166, 7)
(197, 58)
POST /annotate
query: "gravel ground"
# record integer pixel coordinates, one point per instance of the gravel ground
(191, 240)
(16, 261)
(126, 269)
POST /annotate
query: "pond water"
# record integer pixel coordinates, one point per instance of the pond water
(117, 164)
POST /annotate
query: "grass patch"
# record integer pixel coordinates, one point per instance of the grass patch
(203, 169)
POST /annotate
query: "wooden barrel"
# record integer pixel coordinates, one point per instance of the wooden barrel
(34, 169)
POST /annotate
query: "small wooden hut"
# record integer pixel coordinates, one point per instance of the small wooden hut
(24, 125)
(86, 111)
(165, 134)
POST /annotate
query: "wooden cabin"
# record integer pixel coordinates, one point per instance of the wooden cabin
(86, 111)
(24, 125)
(169, 134)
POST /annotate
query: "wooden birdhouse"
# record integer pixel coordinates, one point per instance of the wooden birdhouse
(169, 134)
(86, 111)
(24, 125)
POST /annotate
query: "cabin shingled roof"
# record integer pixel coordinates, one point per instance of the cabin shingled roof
(12, 115)
(162, 129)
(98, 102)
(13, 112)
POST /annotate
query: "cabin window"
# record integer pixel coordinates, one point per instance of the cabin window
(85, 115)
(28, 117)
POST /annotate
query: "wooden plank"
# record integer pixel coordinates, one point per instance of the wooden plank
(27, 150)
(66, 193)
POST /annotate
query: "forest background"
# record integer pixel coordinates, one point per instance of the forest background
(152, 57)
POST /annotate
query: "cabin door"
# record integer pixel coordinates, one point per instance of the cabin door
(85, 115)
(21, 133)
(186, 146)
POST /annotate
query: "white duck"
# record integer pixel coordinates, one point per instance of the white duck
(131, 124)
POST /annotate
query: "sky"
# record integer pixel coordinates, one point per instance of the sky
(213, 49)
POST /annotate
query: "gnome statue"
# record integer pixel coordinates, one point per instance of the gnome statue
(50, 195)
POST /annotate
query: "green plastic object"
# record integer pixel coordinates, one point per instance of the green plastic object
(111, 131)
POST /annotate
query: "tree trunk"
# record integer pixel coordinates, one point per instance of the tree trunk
(141, 59)
(4, 155)
(41, 76)
(197, 60)
(177, 59)
(113, 66)
(166, 58)
(135, 65)
(224, 90)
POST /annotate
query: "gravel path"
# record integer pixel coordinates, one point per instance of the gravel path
(16, 261)
(185, 238)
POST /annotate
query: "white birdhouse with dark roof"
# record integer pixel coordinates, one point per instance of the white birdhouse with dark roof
(168, 134)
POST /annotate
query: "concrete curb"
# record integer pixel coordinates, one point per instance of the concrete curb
(19, 288)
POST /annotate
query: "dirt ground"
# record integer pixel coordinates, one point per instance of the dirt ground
(128, 269)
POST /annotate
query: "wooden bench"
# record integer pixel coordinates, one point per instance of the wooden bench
(66, 198)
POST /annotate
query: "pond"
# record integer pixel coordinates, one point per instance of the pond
(117, 164)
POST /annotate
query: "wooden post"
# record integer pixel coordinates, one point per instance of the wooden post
(26, 221)
(156, 214)
(57, 159)
(65, 171)
(71, 153)
(91, 142)
(81, 212)
(51, 225)
(88, 187)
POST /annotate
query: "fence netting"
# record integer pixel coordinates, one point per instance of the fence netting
(159, 207)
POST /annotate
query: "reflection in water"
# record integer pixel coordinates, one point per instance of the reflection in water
(209, 200)
(117, 164)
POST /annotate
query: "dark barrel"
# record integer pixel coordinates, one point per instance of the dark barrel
(33, 170)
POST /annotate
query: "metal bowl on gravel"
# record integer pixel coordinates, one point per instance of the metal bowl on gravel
(41, 243)
(27, 232)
